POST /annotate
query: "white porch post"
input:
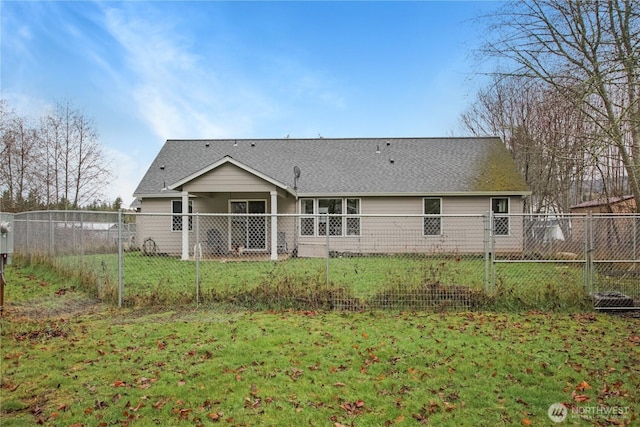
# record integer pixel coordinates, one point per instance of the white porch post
(274, 226)
(185, 226)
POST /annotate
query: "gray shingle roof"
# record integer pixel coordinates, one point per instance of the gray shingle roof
(348, 166)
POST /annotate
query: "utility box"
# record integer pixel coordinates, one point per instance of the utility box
(6, 237)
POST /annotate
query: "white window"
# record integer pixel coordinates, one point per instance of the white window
(339, 222)
(353, 223)
(307, 224)
(176, 221)
(333, 208)
(500, 209)
(432, 225)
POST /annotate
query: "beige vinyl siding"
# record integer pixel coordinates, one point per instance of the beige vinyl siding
(391, 205)
(227, 178)
(462, 225)
(462, 228)
(158, 227)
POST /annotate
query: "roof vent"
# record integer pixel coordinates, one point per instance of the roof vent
(162, 167)
(388, 143)
(235, 142)
(392, 161)
(206, 144)
(377, 149)
(253, 144)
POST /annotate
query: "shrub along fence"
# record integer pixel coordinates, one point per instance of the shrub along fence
(351, 262)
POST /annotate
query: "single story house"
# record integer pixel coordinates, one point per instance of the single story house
(350, 179)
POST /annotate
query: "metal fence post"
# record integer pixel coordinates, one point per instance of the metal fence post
(51, 235)
(635, 238)
(489, 266)
(196, 254)
(81, 241)
(27, 249)
(120, 260)
(589, 247)
(326, 230)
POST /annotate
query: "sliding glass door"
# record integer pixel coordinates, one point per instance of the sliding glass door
(248, 232)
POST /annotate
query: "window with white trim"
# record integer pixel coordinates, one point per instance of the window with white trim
(432, 225)
(307, 224)
(331, 207)
(340, 221)
(353, 223)
(176, 220)
(500, 209)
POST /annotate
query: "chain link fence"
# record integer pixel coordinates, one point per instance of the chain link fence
(350, 262)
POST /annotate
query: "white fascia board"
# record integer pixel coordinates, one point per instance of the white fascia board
(164, 194)
(419, 194)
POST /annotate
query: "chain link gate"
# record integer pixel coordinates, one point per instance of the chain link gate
(614, 261)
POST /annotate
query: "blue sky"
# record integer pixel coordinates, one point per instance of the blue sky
(149, 71)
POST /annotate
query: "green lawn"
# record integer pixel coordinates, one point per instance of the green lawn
(68, 359)
(402, 282)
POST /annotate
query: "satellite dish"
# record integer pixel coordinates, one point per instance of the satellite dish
(296, 175)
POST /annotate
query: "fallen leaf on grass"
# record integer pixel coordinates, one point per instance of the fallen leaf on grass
(160, 403)
(583, 386)
(580, 397)
(215, 416)
(353, 408)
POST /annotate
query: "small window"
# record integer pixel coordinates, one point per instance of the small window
(332, 207)
(307, 224)
(176, 208)
(432, 224)
(353, 224)
(500, 209)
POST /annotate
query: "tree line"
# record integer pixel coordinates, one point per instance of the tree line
(55, 162)
(565, 98)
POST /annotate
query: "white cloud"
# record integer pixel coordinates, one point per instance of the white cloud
(174, 93)
(181, 91)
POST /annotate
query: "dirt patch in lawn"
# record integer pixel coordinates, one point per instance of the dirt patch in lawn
(65, 303)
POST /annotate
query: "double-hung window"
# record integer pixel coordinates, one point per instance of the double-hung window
(339, 220)
(307, 223)
(432, 221)
(176, 219)
(353, 223)
(332, 208)
(500, 209)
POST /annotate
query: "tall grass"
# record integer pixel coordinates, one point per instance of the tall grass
(395, 282)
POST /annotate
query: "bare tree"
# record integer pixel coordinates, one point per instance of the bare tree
(18, 161)
(543, 134)
(60, 164)
(588, 52)
(76, 166)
